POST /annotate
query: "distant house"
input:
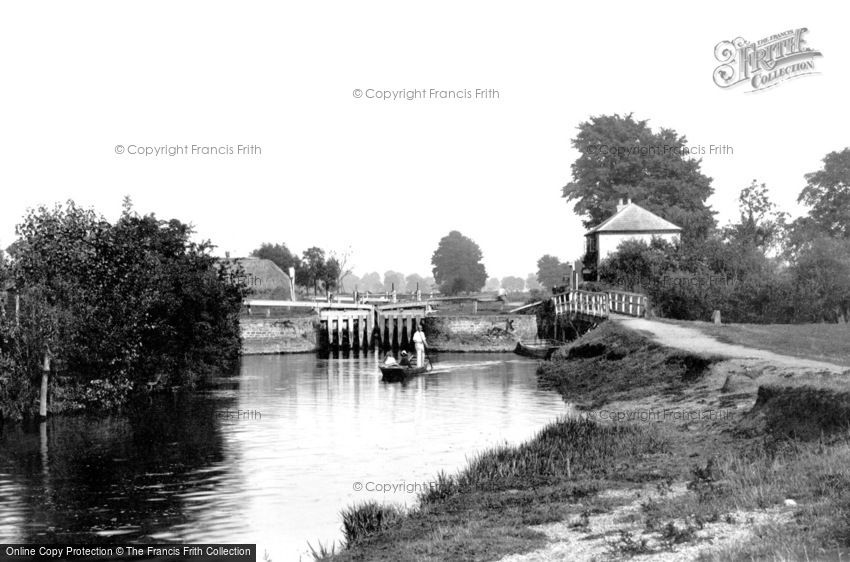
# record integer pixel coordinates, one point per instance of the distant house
(265, 279)
(630, 222)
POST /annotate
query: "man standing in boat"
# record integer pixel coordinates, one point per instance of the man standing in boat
(420, 342)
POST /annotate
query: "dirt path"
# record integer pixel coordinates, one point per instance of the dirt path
(599, 540)
(691, 339)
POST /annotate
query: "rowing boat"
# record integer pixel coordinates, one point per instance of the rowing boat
(397, 373)
(539, 349)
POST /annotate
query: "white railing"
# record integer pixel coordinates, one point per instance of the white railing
(600, 305)
(631, 304)
(581, 302)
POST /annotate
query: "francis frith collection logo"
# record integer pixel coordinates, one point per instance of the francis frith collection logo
(764, 63)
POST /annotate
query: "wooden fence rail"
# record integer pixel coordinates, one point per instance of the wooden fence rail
(631, 304)
(600, 305)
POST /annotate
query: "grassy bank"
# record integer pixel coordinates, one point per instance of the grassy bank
(485, 511)
(612, 363)
(768, 481)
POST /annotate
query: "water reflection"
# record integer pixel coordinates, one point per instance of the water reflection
(268, 456)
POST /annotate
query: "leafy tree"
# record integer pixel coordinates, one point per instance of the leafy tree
(760, 226)
(551, 272)
(493, 284)
(532, 283)
(822, 280)
(457, 264)
(513, 284)
(116, 305)
(394, 279)
(623, 158)
(413, 281)
(372, 282)
(312, 271)
(331, 274)
(430, 284)
(637, 265)
(827, 193)
(279, 254)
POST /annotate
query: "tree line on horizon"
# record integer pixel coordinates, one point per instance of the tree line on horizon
(456, 263)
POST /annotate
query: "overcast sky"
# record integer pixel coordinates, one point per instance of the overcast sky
(390, 178)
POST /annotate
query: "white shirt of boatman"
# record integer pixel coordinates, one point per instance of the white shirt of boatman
(419, 338)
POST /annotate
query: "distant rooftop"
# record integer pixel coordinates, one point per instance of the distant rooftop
(631, 217)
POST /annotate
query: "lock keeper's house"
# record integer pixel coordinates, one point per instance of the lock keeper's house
(630, 222)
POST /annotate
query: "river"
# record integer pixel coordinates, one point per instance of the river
(269, 455)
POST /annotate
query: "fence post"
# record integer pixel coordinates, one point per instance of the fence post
(45, 372)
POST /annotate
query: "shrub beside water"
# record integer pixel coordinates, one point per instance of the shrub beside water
(113, 305)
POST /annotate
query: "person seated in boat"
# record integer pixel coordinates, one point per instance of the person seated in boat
(389, 361)
(404, 359)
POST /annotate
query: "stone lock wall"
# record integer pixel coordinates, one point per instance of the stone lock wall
(262, 335)
(279, 335)
(479, 332)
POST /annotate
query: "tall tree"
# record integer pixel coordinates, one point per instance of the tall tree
(623, 158)
(457, 264)
(760, 225)
(372, 282)
(331, 274)
(394, 279)
(413, 281)
(531, 282)
(312, 271)
(551, 272)
(827, 193)
(493, 284)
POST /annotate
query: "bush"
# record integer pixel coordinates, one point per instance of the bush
(114, 305)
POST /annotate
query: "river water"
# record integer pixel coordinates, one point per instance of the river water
(269, 455)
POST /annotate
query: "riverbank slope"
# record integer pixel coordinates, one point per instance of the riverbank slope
(688, 448)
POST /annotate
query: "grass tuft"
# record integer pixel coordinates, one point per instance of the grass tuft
(367, 519)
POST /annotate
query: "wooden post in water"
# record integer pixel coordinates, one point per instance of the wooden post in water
(45, 373)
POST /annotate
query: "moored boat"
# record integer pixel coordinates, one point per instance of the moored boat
(538, 349)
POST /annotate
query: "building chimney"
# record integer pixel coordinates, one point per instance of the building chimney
(620, 205)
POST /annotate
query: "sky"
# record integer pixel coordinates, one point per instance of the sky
(389, 178)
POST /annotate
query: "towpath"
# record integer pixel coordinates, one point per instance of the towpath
(691, 339)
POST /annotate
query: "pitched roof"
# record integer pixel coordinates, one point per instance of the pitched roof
(634, 218)
(265, 278)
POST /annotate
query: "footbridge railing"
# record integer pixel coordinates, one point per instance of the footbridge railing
(600, 304)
